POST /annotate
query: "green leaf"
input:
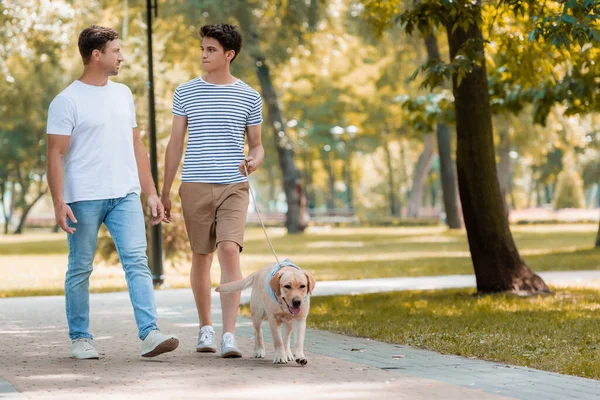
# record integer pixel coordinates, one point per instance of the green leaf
(569, 19)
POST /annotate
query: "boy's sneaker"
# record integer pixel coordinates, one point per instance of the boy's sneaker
(206, 340)
(228, 347)
(83, 349)
(157, 343)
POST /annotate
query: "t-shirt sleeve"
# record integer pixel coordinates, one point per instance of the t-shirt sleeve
(178, 108)
(255, 116)
(132, 105)
(61, 117)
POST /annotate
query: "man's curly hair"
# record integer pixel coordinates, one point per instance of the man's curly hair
(227, 35)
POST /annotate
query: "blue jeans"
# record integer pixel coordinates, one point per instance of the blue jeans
(124, 219)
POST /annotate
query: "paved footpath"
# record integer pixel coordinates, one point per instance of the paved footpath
(34, 361)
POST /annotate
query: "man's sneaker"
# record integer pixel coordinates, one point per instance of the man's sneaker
(228, 347)
(157, 343)
(206, 340)
(83, 349)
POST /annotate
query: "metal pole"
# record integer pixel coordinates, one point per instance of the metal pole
(156, 259)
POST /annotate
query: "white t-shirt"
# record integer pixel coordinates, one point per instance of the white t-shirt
(100, 161)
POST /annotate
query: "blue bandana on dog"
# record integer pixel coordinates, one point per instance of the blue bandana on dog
(274, 270)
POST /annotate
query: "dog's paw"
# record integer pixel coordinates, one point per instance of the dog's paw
(259, 353)
(290, 355)
(280, 358)
(302, 361)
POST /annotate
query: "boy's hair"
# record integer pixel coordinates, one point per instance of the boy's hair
(227, 35)
(93, 38)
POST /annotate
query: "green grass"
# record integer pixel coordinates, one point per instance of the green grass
(33, 264)
(559, 333)
(55, 291)
(359, 253)
(40, 247)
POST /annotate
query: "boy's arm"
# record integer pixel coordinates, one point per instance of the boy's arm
(172, 159)
(256, 152)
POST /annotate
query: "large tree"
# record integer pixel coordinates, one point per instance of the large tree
(497, 263)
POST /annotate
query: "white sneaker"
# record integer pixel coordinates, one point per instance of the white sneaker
(228, 347)
(157, 343)
(83, 349)
(206, 340)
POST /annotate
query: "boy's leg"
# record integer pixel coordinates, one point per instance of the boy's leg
(201, 285)
(229, 260)
(125, 221)
(82, 248)
(231, 220)
(198, 206)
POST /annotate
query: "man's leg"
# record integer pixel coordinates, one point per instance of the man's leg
(82, 248)
(229, 260)
(125, 221)
(201, 285)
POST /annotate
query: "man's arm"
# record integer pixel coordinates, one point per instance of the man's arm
(172, 160)
(57, 147)
(146, 181)
(256, 152)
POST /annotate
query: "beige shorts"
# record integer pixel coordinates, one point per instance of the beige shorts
(214, 213)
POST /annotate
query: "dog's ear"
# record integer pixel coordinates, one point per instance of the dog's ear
(311, 281)
(274, 283)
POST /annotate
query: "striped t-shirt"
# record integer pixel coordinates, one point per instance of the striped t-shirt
(217, 119)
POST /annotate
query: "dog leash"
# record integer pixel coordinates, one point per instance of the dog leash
(258, 212)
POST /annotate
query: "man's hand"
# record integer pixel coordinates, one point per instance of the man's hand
(166, 202)
(61, 213)
(250, 165)
(157, 209)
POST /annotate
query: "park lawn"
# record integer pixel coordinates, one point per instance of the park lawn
(36, 264)
(559, 333)
(362, 253)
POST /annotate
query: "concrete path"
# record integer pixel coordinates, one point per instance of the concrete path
(34, 355)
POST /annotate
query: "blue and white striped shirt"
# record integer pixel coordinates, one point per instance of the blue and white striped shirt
(217, 119)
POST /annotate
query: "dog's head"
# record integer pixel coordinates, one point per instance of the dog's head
(292, 285)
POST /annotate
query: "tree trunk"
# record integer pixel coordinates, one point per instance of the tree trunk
(598, 237)
(8, 210)
(4, 213)
(331, 179)
(496, 260)
(308, 180)
(272, 192)
(415, 199)
(392, 189)
(447, 167)
(504, 167)
(26, 210)
(348, 178)
(290, 175)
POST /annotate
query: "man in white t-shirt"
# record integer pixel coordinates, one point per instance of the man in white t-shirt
(97, 165)
(218, 111)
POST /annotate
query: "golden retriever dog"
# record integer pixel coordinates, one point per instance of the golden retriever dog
(280, 294)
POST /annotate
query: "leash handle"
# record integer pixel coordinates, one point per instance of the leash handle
(258, 212)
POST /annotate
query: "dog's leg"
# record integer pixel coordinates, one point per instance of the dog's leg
(287, 334)
(259, 344)
(280, 356)
(299, 332)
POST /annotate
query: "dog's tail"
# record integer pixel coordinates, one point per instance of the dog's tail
(236, 286)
